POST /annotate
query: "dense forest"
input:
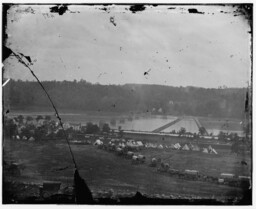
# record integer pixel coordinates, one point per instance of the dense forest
(135, 98)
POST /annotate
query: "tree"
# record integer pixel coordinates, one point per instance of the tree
(29, 118)
(39, 117)
(221, 135)
(20, 118)
(235, 147)
(202, 131)
(25, 132)
(182, 131)
(16, 119)
(10, 128)
(113, 122)
(47, 117)
(235, 137)
(101, 124)
(106, 128)
(121, 132)
(189, 100)
(194, 135)
(95, 128)
(60, 133)
(173, 132)
(92, 128)
(246, 129)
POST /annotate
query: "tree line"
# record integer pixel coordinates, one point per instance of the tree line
(128, 98)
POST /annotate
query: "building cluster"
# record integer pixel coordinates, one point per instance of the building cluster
(32, 129)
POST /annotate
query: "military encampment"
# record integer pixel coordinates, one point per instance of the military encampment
(127, 104)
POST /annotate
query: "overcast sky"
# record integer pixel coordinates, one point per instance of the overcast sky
(175, 47)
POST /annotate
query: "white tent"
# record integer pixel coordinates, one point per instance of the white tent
(118, 149)
(177, 146)
(130, 154)
(210, 148)
(121, 145)
(31, 138)
(154, 146)
(129, 143)
(172, 146)
(134, 157)
(205, 150)
(141, 158)
(140, 143)
(98, 142)
(185, 147)
(214, 151)
(160, 146)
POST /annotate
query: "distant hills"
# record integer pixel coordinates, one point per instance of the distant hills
(135, 98)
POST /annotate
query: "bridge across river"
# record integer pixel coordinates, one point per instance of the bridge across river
(166, 126)
(199, 125)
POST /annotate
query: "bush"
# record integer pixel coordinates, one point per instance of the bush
(92, 128)
(106, 128)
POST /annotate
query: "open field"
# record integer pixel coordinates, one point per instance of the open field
(214, 125)
(104, 170)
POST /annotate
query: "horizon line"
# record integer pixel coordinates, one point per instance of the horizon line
(145, 84)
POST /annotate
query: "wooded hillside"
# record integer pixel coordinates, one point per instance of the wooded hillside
(136, 98)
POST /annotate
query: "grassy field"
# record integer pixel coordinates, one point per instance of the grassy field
(103, 170)
(221, 123)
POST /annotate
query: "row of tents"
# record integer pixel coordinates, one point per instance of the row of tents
(122, 143)
(24, 138)
(132, 144)
(121, 149)
(185, 147)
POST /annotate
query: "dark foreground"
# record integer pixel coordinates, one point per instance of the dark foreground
(114, 179)
(137, 199)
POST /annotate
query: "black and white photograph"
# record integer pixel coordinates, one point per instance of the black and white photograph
(127, 104)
